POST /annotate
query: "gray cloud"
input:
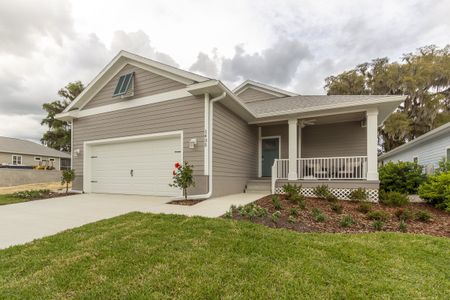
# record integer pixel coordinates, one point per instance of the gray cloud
(205, 65)
(21, 22)
(274, 65)
(139, 42)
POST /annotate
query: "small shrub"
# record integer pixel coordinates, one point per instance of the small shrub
(297, 198)
(228, 214)
(291, 190)
(183, 177)
(67, 177)
(293, 212)
(423, 216)
(331, 198)
(276, 216)
(403, 214)
(403, 227)
(358, 195)
(378, 225)
(436, 190)
(32, 194)
(444, 166)
(302, 205)
(318, 215)
(378, 215)
(394, 199)
(337, 208)
(292, 219)
(364, 207)
(346, 221)
(276, 202)
(322, 191)
(402, 177)
(252, 210)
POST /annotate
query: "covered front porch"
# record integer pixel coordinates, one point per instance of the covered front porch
(335, 149)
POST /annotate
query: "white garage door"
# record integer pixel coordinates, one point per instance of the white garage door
(136, 167)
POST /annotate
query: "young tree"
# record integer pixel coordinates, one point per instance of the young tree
(58, 133)
(183, 177)
(423, 76)
(68, 176)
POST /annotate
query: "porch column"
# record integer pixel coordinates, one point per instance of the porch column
(292, 175)
(372, 142)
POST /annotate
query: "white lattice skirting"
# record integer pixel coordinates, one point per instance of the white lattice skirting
(340, 193)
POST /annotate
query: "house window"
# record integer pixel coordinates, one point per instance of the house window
(416, 159)
(37, 159)
(124, 84)
(17, 160)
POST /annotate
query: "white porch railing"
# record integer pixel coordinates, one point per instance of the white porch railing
(323, 168)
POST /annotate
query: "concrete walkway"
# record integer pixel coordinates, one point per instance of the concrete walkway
(24, 222)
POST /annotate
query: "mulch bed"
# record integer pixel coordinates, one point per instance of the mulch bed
(184, 202)
(439, 224)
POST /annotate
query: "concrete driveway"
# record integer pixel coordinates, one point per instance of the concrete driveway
(24, 222)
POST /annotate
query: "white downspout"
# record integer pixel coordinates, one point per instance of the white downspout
(210, 143)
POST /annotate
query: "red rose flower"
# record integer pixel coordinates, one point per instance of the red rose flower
(177, 165)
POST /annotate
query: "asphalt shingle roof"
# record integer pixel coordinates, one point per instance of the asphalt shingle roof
(295, 103)
(12, 145)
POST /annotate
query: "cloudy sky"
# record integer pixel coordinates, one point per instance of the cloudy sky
(290, 44)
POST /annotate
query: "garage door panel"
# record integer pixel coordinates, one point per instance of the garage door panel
(151, 161)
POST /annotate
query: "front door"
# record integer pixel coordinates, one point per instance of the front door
(270, 152)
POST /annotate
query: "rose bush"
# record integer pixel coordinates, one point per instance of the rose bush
(183, 177)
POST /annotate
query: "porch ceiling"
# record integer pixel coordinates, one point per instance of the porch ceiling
(340, 118)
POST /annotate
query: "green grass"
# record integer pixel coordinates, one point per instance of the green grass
(164, 257)
(10, 199)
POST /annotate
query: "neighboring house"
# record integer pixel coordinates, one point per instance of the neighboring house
(17, 153)
(426, 150)
(138, 117)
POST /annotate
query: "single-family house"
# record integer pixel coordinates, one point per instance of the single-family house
(18, 153)
(426, 150)
(138, 117)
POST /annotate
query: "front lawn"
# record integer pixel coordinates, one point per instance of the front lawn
(28, 195)
(166, 256)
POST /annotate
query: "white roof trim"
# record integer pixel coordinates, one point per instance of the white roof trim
(430, 134)
(139, 61)
(263, 88)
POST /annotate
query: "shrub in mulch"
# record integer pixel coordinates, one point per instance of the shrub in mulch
(316, 215)
(188, 202)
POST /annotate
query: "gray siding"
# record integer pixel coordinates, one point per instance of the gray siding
(250, 95)
(234, 152)
(338, 139)
(429, 152)
(145, 84)
(185, 114)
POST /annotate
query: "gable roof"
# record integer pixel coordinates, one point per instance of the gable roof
(18, 146)
(118, 62)
(444, 129)
(276, 92)
(284, 103)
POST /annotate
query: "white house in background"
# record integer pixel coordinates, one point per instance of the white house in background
(427, 150)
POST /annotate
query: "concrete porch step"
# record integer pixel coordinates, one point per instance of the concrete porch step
(258, 186)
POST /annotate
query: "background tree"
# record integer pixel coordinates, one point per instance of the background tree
(423, 76)
(58, 133)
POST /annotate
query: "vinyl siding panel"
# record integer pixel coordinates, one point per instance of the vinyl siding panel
(428, 152)
(145, 84)
(338, 139)
(250, 95)
(186, 114)
(234, 152)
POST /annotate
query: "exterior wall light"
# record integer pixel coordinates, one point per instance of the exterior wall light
(192, 143)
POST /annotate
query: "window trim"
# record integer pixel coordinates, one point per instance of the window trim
(16, 156)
